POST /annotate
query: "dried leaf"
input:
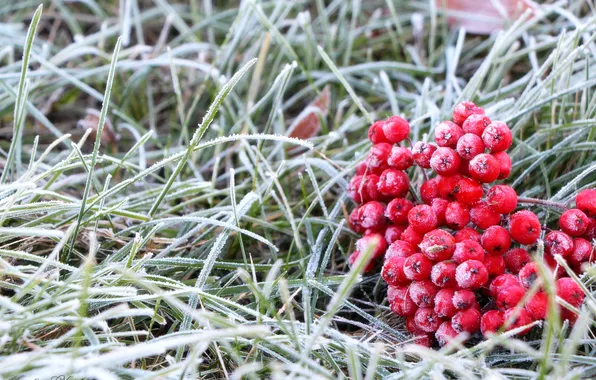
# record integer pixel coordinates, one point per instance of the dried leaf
(308, 124)
(91, 121)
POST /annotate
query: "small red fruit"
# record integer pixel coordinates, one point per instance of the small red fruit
(371, 215)
(400, 301)
(522, 319)
(586, 201)
(497, 136)
(377, 157)
(439, 206)
(445, 333)
(400, 158)
(528, 274)
(464, 299)
(396, 129)
(354, 222)
(457, 216)
(496, 240)
(516, 259)
(447, 134)
(557, 242)
(491, 322)
(570, 291)
(444, 303)
(484, 168)
(375, 133)
(471, 274)
(476, 124)
(483, 216)
(447, 185)
(423, 293)
(369, 267)
(509, 297)
(400, 248)
(501, 282)
(427, 320)
(422, 153)
(524, 227)
(393, 271)
(537, 306)
(467, 233)
(437, 245)
(468, 250)
(583, 252)
(443, 274)
(393, 233)
(393, 183)
(574, 222)
(466, 320)
(469, 146)
(463, 110)
(505, 164)
(502, 199)
(422, 219)
(429, 190)
(417, 267)
(468, 191)
(495, 265)
(374, 241)
(445, 161)
(397, 210)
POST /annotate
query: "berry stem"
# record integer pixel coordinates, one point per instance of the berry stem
(543, 202)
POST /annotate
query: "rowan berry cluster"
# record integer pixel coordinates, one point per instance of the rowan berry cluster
(454, 253)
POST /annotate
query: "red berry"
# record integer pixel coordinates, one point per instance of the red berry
(582, 252)
(516, 259)
(443, 274)
(422, 153)
(393, 271)
(558, 243)
(396, 129)
(463, 110)
(528, 274)
(471, 274)
(501, 282)
(476, 124)
(505, 164)
(400, 248)
(397, 210)
(509, 297)
(363, 189)
(361, 168)
(412, 327)
(375, 133)
(427, 320)
(464, 299)
(522, 319)
(354, 189)
(354, 222)
(393, 233)
(376, 242)
(369, 267)
(468, 250)
(400, 158)
(497, 136)
(491, 321)
(466, 320)
(495, 265)
(393, 183)
(457, 216)
(447, 134)
(437, 245)
(524, 227)
(439, 206)
(464, 167)
(483, 216)
(569, 316)
(484, 168)
(469, 146)
(590, 233)
(444, 303)
(570, 291)
(445, 161)
(537, 306)
(586, 201)
(496, 240)
(447, 185)
(417, 267)
(468, 191)
(377, 157)
(429, 190)
(445, 333)
(371, 215)
(400, 301)
(423, 293)
(502, 199)
(422, 219)
(411, 236)
(467, 233)
(574, 222)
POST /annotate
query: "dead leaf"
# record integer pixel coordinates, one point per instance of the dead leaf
(91, 121)
(308, 124)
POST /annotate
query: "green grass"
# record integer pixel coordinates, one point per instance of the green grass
(204, 242)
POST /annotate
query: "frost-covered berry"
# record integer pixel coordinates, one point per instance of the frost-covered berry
(495, 265)
(467, 233)
(558, 243)
(354, 222)
(378, 155)
(524, 227)
(363, 189)
(445, 161)
(497, 136)
(471, 274)
(583, 252)
(393, 271)
(375, 133)
(422, 219)
(505, 164)
(400, 301)
(484, 168)
(447, 134)
(517, 318)
(468, 250)
(469, 146)
(509, 297)
(400, 248)
(354, 191)
(502, 199)
(503, 281)
(574, 222)
(422, 153)
(457, 215)
(586, 201)
(417, 267)
(445, 333)
(429, 190)
(466, 320)
(393, 183)
(570, 291)
(528, 274)
(491, 322)
(439, 206)
(375, 241)
(496, 240)
(437, 245)
(411, 236)
(463, 110)
(464, 299)
(468, 191)
(447, 185)
(444, 303)
(397, 210)
(483, 216)
(393, 233)
(427, 320)
(423, 293)
(537, 306)
(400, 158)
(476, 124)
(371, 215)
(396, 129)
(516, 259)
(443, 274)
